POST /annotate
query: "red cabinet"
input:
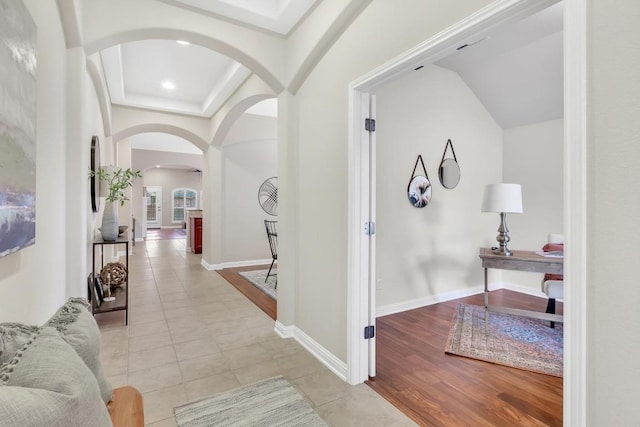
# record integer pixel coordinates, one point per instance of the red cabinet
(196, 235)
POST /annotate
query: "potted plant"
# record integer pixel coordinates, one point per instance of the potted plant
(117, 181)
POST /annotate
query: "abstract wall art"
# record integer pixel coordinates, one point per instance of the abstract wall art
(18, 93)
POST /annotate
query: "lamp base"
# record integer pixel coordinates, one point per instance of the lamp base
(502, 237)
(502, 251)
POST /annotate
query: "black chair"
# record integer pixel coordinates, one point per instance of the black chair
(272, 235)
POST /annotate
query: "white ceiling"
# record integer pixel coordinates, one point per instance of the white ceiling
(163, 142)
(277, 16)
(516, 70)
(203, 79)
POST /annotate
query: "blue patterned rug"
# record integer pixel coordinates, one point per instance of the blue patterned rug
(515, 341)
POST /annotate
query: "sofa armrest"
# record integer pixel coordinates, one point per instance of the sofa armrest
(125, 408)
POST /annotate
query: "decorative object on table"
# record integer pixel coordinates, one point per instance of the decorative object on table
(419, 188)
(270, 402)
(268, 196)
(97, 283)
(95, 181)
(18, 95)
(261, 280)
(109, 297)
(115, 272)
(117, 180)
(506, 339)
(449, 170)
(503, 199)
(122, 229)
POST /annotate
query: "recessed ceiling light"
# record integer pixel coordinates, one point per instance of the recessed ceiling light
(168, 85)
(182, 42)
(157, 166)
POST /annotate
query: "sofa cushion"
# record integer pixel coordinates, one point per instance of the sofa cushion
(14, 336)
(47, 384)
(76, 326)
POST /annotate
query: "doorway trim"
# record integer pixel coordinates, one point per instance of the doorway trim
(438, 46)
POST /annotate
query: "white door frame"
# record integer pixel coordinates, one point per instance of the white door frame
(359, 304)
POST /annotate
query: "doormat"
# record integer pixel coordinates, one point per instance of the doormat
(270, 402)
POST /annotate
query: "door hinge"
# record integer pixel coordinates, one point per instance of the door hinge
(369, 332)
(370, 125)
(369, 228)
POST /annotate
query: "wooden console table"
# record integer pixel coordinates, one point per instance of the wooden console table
(520, 261)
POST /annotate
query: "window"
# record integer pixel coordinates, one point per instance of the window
(182, 198)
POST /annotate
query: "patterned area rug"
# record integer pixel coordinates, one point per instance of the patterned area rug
(515, 341)
(256, 277)
(271, 402)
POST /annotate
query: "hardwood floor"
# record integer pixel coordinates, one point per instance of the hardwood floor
(436, 389)
(166, 233)
(259, 298)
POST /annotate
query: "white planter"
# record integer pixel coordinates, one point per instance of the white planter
(109, 229)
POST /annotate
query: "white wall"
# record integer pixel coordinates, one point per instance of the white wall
(169, 180)
(381, 32)
(432, 251)
(32, 281)
(533, 157)
(249, 157)
(613, 203)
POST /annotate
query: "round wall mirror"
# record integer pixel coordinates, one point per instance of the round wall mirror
(449, 173)
(419, 191)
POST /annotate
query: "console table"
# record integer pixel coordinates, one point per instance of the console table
(520, 261)
(121, 293)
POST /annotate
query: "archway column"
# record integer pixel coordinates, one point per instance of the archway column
(287, 213)
(77, 162)
(212, 187)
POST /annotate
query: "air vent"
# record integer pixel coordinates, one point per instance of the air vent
(472, 43)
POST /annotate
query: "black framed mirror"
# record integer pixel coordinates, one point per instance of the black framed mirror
(449, 173)
(449, 170)
(95, 180)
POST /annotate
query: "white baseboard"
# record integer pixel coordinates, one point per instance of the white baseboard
(234, 264)
(284, 331)
(139, 239)
(325, 357)
(521, 289)
(386, 310)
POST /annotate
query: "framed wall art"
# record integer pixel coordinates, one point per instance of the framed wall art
(17, 127)
(419, 188)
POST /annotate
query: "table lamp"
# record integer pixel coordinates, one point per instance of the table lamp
(503, 199)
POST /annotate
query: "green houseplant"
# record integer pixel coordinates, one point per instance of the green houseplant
(117, 180)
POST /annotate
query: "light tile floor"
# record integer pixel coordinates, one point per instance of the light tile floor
(191, 334)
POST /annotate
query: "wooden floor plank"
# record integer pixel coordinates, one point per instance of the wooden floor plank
(259, 298)
(438, 389)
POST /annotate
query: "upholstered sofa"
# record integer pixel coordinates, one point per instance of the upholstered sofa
(51, 375)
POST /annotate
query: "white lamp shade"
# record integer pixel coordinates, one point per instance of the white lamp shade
(502, 198)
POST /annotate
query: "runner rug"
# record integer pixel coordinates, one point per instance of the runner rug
(257, 279)
(515, 341)
(271, 402)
